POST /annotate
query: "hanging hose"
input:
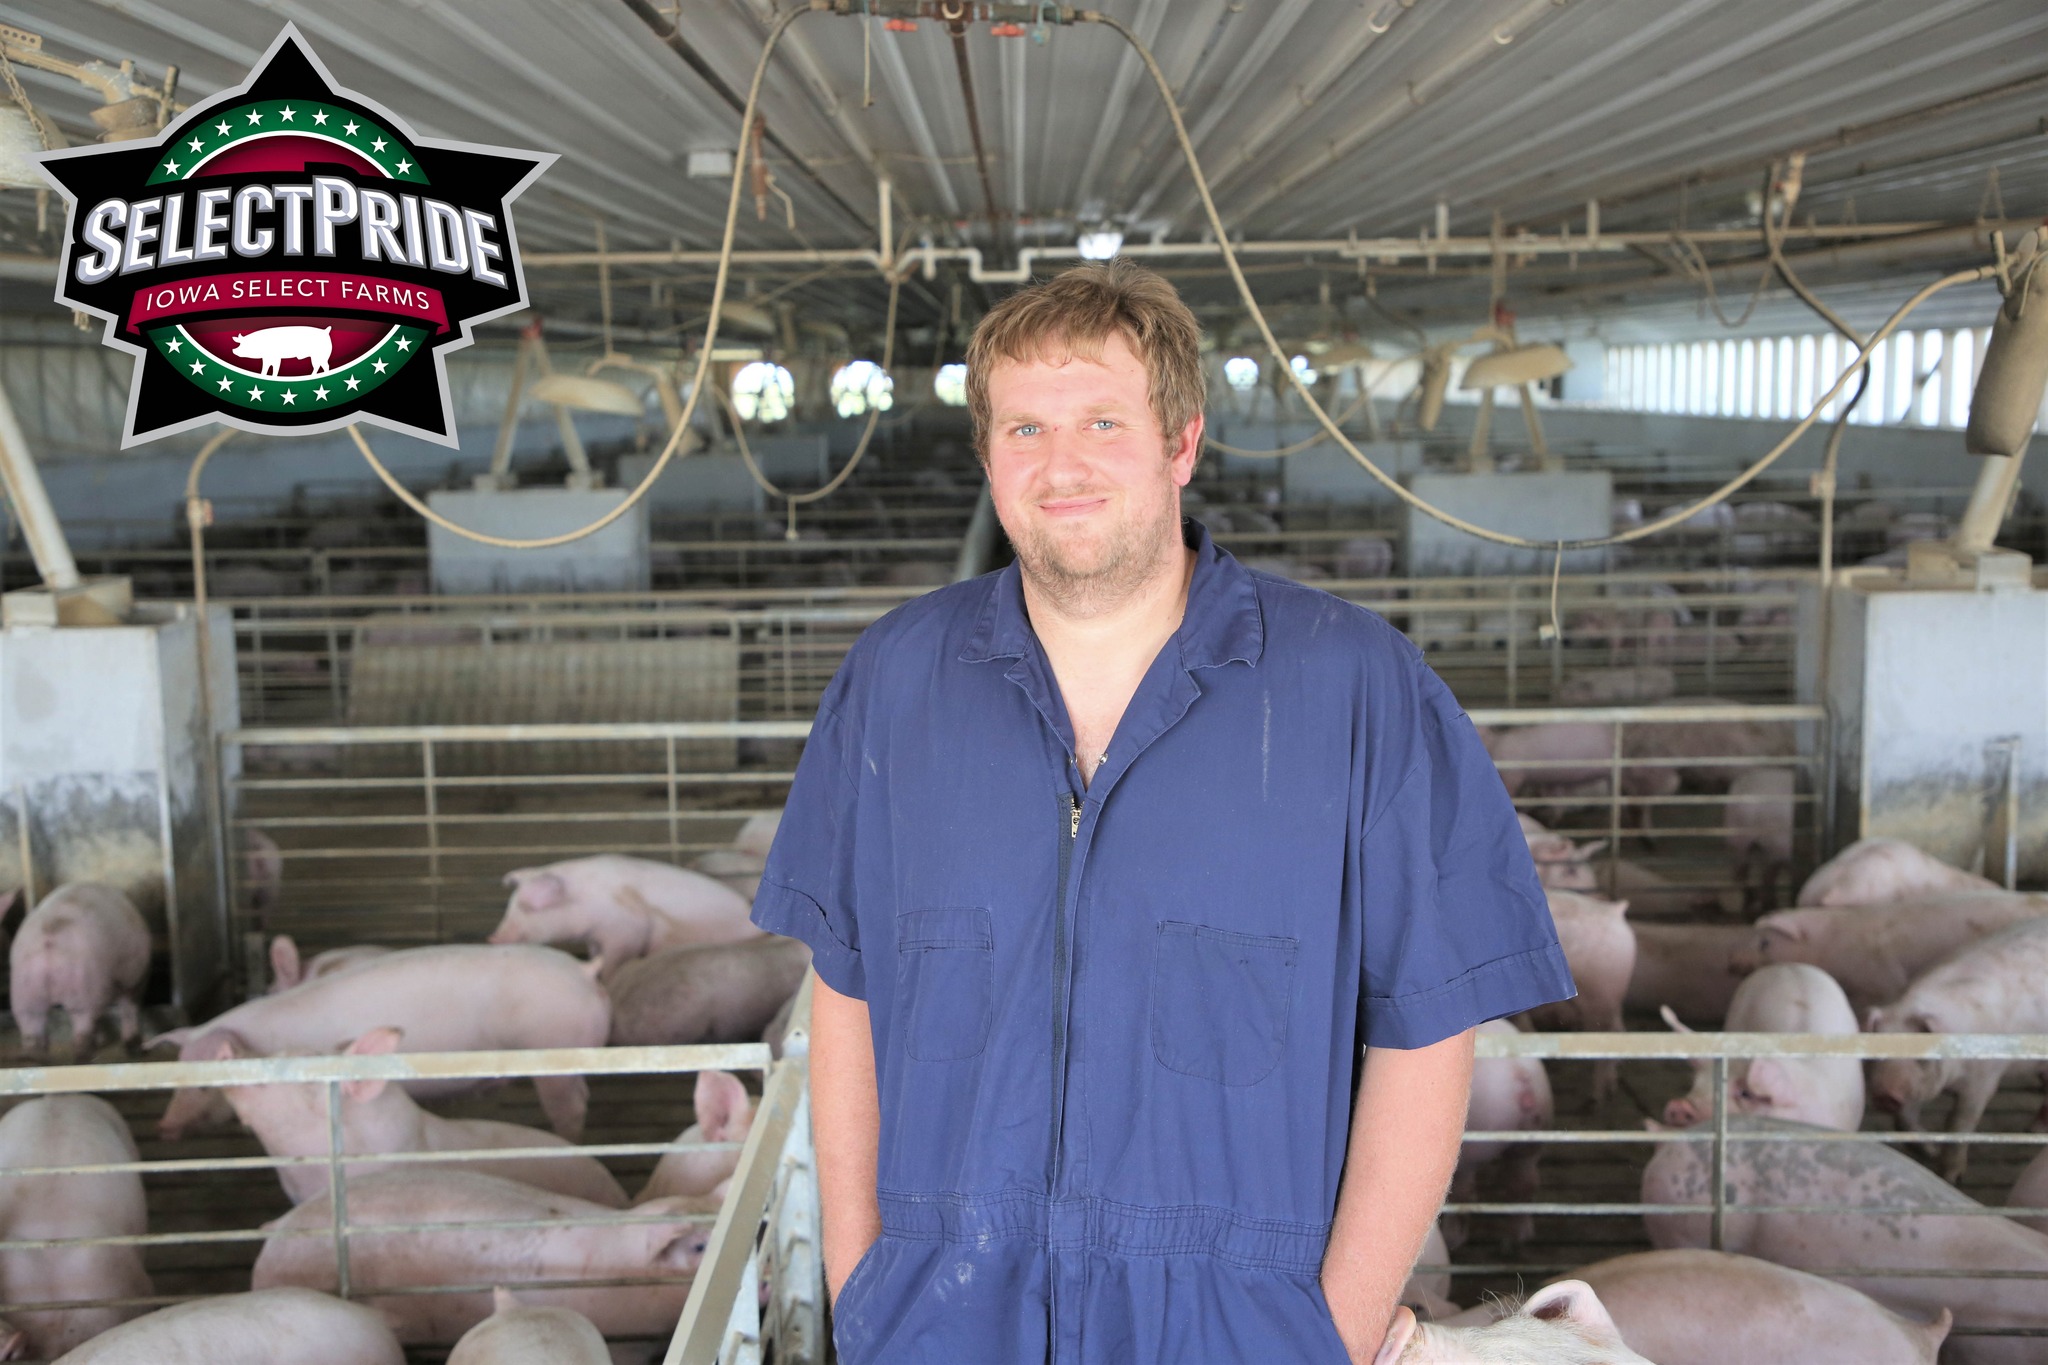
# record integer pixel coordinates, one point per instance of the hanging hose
(1393, 485)
(675, 436)
(1307, 442)
(874, 417)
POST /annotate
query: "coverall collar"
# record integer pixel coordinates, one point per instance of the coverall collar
(1222, 622)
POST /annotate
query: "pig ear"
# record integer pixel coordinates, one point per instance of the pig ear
(177, 1038)
(285, 968)
(503, 1300)
(1791, 929)
(378, 1042)
(519, 875)
(543, 891)
(216, 1045)
(1873, 1019)
(674, 1248)
(1399, 1333)
(1670, 1017)
(1919, 1021)
(721, 1104)
(1766, 1079)
(1574, 1301)
(7, 902)
(1652, 1126)
(1620, 907)
(14, 1342)
(1586, 852)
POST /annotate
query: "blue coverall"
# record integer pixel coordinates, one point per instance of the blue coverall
(1117, 1031)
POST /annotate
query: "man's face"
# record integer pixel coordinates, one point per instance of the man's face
(1085, 484)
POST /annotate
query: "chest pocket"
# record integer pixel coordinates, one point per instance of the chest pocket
(1219, 1001)
(945, 982)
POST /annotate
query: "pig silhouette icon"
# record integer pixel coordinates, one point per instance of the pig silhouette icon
(275, 345)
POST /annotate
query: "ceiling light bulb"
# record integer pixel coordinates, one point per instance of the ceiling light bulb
(1099, 246)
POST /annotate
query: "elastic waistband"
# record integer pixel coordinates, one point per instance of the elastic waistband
(1096, 1224)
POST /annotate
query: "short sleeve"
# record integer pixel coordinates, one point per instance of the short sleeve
(808, 887)
(1457, 929)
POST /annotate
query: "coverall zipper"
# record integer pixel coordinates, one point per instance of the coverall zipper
(1071, 809)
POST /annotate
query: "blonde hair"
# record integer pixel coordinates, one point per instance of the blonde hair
(1073, 314)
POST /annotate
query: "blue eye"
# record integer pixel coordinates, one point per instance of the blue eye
(1103, 422)
(1027, 429)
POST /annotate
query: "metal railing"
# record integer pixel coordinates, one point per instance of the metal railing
(766, 1150)
(1716, 1133)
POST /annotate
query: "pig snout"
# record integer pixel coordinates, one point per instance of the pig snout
(1682, 1112)
(1894, 1085)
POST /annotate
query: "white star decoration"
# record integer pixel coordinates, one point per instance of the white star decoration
(404, 166)
(174, 345)
(405, 343)
(351, 383)
(378, 366)
(377, 144)
(349, 127)
(196, 145)
(171, 166)
(199, 367)
(226, 383)
(321, 393)
(285, 114)
(291, 395)
(255, 117)
(320, 117)
(255, 393)
(223, 127)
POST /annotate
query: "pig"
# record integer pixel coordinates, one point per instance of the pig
(1758, 819)
(1874, 871)
(2030, 1191)
(1364, 557)
(1991, 986)
(376, 1117)
(1712, 1308)
(663, 1247)
(1686, 968)
(262, 871)
(286, 970)
(1948, 1230)
(721, 993)
(740, 871)
(1601, 951)
(1875, 951)
(69, 1130)
(268, 1327)
(1568, 754)
(1560, 1324)
(1618, 686)
(454, 997)
(623, 907)
(757, 835)
(1790, 531)
(275, 345)
(84, 949)
(1692, 746)
(1507, 1093)
(777, 1032)
(724, 1113)
(516, 1335)
(1790, 997)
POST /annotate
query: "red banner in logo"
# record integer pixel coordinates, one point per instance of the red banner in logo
(311, 289)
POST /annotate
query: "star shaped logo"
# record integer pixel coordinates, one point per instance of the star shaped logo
(229, 337)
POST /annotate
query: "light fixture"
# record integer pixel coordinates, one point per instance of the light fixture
(1100, 245)
(949, 385)
(1241, 372)
(1516, 365)
(1305, 371)
(586, 394)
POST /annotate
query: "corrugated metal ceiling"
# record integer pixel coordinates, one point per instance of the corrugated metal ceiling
(1314, 117)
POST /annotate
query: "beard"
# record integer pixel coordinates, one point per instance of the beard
(1086, 570)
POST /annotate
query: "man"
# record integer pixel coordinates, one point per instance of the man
(1129, 874)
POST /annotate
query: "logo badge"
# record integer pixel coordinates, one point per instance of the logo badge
(290, 257)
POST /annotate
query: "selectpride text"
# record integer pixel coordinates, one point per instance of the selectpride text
(188, 226)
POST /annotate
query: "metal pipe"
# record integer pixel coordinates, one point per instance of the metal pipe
(1997, 484)
(670, 34)
(964, 67)
(39, 524)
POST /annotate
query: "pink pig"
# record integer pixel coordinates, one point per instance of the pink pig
(377, 1116)
(623, 907)
(517, 1335)
(1601, 951)
(1687, 969)
(84, 949)
(601, 1244)
(714, 993)
(286, 971)
(269, 1327)
(1508, 1093)
(725, 1113)
(1786, 998)
(1560, 1324)
(1872, 871)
